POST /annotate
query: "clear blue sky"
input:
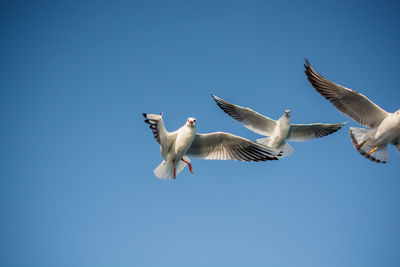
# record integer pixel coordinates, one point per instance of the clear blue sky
(77, 187)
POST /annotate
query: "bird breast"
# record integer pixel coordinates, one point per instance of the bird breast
(280, 133)
(183, 141)
(284, 127)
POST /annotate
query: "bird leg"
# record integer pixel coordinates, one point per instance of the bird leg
(173, 162)
(190, 166)
(372, 150)
(362, 143)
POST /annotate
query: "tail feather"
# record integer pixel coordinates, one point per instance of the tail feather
(286, 149)
(165, 171)
(363, 146)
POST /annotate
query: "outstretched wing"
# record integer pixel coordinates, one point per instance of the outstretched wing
(350, 102)
(163, 137)
(223, 146)
(304, 132)
(248, 117)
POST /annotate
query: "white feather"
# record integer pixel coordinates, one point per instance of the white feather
(165, 171)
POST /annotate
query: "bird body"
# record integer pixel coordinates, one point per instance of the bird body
(279, 135)
(388, 130)
(384, 126)
(184, 138)
(177, 149)
(279, 131)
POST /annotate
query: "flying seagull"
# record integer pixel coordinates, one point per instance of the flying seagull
(177, 146)
(278, 131)
(384, 126)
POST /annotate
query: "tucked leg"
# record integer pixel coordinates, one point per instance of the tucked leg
(190, 166)
(373, 150)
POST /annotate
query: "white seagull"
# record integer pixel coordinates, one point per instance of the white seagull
(278, 131)
(178, 145)
(384, 126)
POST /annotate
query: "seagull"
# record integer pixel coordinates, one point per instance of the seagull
(384, 126)
(277, 131)
(177, 146)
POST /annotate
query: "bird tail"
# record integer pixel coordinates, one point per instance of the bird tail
(181, 165)
(286, 149)
(363, 146)
(165, 171)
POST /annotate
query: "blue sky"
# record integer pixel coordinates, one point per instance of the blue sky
(77, 187)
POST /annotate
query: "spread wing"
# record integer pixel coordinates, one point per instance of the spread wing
(163, 137)
(350, 102)
(223, 146)
(304, 132)
(248, 117)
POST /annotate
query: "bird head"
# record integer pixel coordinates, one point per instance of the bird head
(191, 122)
(287, 113)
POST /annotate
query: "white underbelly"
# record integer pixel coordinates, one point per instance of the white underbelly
(181, 146)
(277, 140)
(383, 138)
(386, 132)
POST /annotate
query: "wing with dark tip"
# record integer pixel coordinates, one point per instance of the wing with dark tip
(163, 137)
(304, 132)
(248, 117)
(223, 146)
(348, 101)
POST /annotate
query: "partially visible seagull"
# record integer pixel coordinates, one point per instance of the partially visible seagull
(178, 145)
(385, 127)
(278, 131)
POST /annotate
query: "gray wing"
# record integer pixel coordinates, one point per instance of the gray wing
(396, 143)
(304, 132)
(223, 146)
(163, 137)
(350, 102)
(248, 117)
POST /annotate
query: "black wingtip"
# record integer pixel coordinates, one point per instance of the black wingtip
(307, 62)
(307, 65)
(144, 115)
(217, 100)
(309, 71)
